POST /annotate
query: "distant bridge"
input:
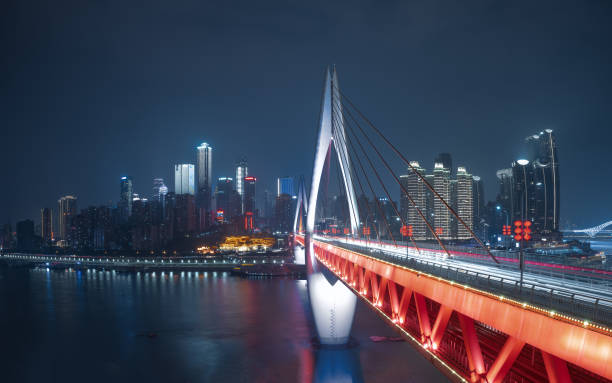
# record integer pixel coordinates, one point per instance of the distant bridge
(592, 231)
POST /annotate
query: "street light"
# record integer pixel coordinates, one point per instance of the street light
(523, 163)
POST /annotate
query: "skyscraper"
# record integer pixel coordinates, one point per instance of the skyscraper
(184, 179)
(46, 224)
(223, 194)
(465, 202)
(249, 193)
(126, 190)
(545, 162)
(446, 160)
(284, 185)
(242, 170)
(479, 207)
(249, 201)
(158, 184)
(204, 195)
(67, 210)
(442, 217)
(418, 191)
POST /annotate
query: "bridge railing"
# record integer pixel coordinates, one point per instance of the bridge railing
(582, 306)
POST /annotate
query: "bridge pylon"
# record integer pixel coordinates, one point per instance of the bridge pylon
(333, 304)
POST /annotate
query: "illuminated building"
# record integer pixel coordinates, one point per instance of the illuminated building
(223, 196)
(242, 170)
(184, 179)
(442, 216)
(246, 243)
(465, 202)
(67, 210)
(479, 207)
(126, 191)
(416, 188)
(204, 184)
(46, 224)
(545, 163)
(249, 202)
(158, 185)
(284, 185)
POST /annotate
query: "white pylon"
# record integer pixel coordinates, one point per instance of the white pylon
(331, 128)
(302, 206)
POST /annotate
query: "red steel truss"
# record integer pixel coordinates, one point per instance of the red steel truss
(470, 334)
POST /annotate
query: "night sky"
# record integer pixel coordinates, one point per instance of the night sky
(92, 90)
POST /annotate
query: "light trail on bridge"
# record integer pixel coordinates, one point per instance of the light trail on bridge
(589, 292)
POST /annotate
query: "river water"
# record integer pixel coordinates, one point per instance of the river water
(103, 326)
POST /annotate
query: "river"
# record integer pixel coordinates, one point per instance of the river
(103, 326)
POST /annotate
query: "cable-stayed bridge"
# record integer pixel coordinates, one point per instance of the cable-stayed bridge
(470, 311)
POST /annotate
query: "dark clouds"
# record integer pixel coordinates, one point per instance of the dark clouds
(91, 90)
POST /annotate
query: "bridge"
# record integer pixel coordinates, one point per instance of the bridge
(477, 315)
(592, 231)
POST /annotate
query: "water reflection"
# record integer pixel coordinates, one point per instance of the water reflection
(338, 365)
(186, 327)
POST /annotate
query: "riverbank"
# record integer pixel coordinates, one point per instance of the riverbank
(248, 266)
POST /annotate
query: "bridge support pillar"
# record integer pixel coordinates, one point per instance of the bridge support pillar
(556, 369)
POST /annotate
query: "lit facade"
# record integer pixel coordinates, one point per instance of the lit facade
(242, 170)
(416, 188)
(126, 191)
(184, 179)
(442, 216)
(465, 202)
(67, 208)
(204, 154)
(46, 224)
(284, 185)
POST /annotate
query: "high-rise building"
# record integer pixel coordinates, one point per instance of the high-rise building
(249, 202)
(25, 235)
(184, 215)
(46, 224)
(545, 162)
(67, 210)
(126, 190)
(283, 213)
(158, 185)
(524, 195)
(184, 179)
(479, 207)
(223, 195)
(442, 216)
(446, 160)
(465, 202)
(204, 194)
(242, 170)
(417, 190)
(284, 185)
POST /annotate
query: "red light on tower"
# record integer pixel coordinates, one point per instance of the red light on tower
(439, 230)
(366, 231)
(406, 231)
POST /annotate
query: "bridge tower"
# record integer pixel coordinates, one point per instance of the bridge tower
(331, 129)
(333, 304)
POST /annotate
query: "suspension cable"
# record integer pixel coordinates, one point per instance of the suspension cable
(431, 188)
(381, 183)
(399, 183)
(372, 191)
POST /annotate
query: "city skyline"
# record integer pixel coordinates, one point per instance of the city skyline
(487, 111)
